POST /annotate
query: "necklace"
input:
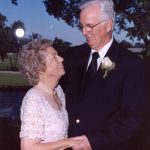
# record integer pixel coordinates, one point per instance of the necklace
(49, 90)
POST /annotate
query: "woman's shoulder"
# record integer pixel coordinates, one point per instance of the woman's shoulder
(33, 96)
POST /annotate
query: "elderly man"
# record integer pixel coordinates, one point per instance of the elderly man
(104, 84)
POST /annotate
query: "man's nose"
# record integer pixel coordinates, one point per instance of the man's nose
(84, 31)
(61, 59)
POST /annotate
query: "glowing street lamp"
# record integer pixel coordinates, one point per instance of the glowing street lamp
(19, 32)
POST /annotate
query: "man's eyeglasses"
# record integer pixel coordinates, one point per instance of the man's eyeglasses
(88, 27)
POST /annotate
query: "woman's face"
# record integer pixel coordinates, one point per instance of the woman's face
(54, 63)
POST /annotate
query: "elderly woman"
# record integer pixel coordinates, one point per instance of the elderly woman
(44, 119)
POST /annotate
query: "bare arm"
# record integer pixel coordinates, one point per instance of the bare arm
(35, 144)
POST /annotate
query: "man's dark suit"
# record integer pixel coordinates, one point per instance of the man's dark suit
(109, 111)
(144, 136)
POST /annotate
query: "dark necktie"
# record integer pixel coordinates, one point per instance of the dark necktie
(93, 65)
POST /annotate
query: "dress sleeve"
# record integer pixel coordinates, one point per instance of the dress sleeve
(32, 119)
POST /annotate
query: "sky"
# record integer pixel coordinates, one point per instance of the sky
(33, 14)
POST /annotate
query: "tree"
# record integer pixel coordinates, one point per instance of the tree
(139, 45)
(136, 21)
(17, 24)
(14, 2)
(60, 45)
(126, 44)
(15, 41)
(4, 36)
(34, 36)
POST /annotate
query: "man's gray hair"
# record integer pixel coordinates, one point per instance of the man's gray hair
(107, 8)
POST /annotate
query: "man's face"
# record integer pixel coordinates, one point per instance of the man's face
(101, 33)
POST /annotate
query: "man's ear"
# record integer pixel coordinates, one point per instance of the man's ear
(109, 25)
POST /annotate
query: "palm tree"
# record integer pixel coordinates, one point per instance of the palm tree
(34, 36)
(60, 45)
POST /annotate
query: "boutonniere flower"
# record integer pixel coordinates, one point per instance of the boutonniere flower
(107, 65)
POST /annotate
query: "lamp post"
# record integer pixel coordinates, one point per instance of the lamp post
(19, 32)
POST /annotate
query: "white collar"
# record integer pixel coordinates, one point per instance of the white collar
(102, 52)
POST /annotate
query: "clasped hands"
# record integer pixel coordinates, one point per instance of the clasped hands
(80, 143)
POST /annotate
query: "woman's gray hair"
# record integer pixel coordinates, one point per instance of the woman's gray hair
(107, 8)
(32, 59)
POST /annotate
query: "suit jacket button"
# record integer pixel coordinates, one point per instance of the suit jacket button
(77, 121)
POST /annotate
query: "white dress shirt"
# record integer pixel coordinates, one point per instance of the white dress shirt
(102, 52)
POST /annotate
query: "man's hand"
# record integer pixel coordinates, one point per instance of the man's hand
(83, 145)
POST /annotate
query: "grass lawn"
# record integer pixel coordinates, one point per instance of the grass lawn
(12, 80)
(5, 65)
(9, 78)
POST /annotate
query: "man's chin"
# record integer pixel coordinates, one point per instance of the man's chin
(91, 45)
(62, 73)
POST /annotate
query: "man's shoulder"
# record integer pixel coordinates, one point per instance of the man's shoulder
(77, 51)
(79, 48)
(127, 54)
(124, 57)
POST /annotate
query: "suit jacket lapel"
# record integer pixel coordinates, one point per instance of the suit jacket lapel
(112, 53)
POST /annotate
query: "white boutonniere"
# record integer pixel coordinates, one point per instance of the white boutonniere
(107, 65)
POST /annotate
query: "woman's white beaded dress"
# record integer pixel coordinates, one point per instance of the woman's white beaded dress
(39, 120)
